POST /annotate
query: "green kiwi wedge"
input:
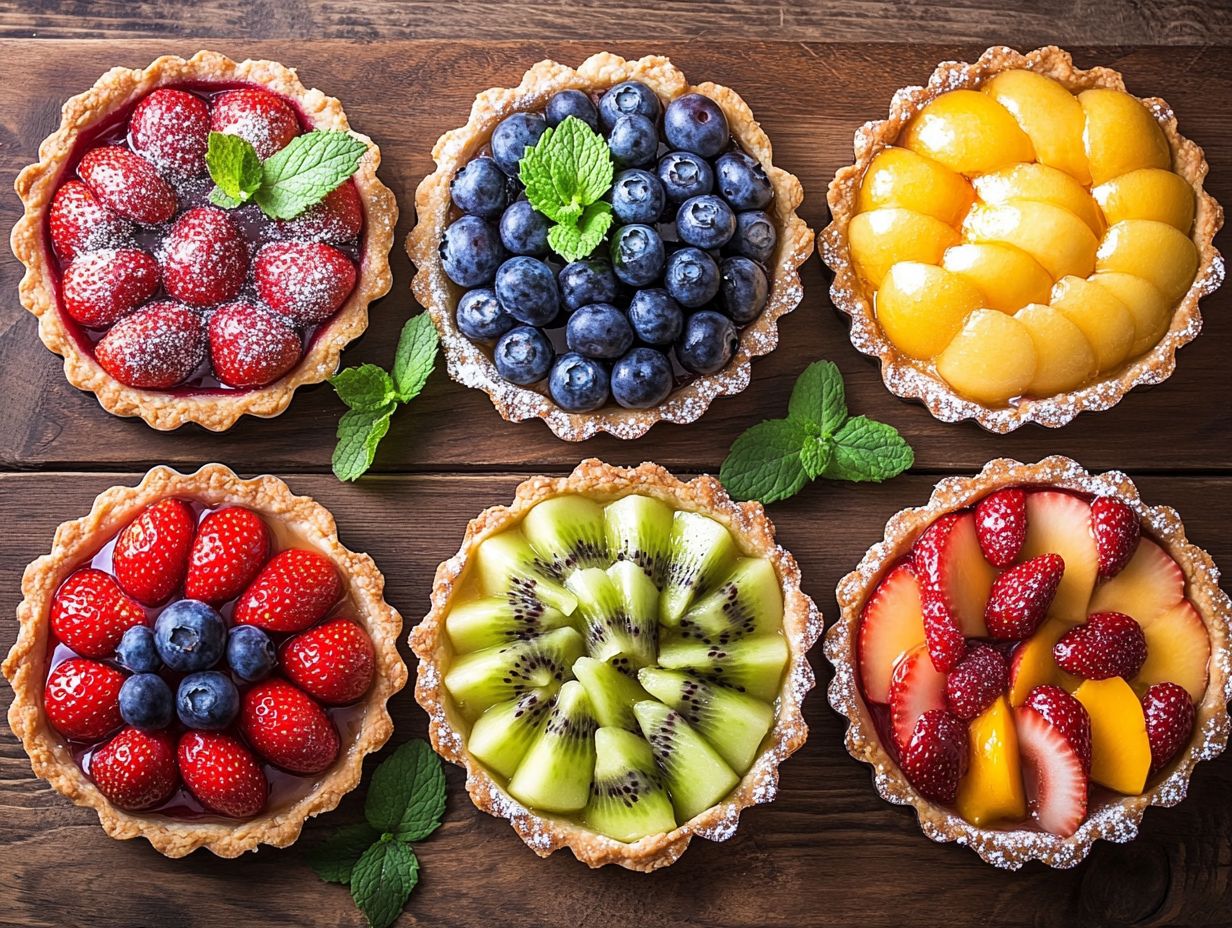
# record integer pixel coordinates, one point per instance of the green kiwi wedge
(612, 692)
(569, 533)
(748, 665)
(484, 678)
(611, 631)
(627, 798)
(700, 552)
(696, 777)
(499, 620)
(501, 736)
(556, 773)
(508, 566)
(748, 601)
(639, 529)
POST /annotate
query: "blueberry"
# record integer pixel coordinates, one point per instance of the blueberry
(523, 355)
(742, 182)
(578, 384)
(642, 378)
(755, 236)
(190, 636)
(683, 175)
(633, 141)
(136, 650)
(743, 288)
(571, 103)
(655, 317)
(512, 136)
(696, 123)
(599, 331)
(524, 230)
(526, 288)
(480, 316)
(588, 281)
(637, 254)
(145, 701)
(705, 221)
(708, 342)
(480, 188)
(637, 196)
(471, 252)
(629, 98)
(207, 700)
(250, 653)
(692, 277)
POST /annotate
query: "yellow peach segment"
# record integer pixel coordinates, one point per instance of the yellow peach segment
(1178, 650)
(1064, 357)
(991, 359)
(992, 789)
(1103, 319)
(1049, 115)
(1152, 313)
(968, 132)
(1032, 663)
(1120, 751)
(1008, 277)
(1044, 184)
(883, 237)
(1150, 249)
(900, 177)
(1148, 193)
(921, 307)
(1121, 135)
(1056, 238)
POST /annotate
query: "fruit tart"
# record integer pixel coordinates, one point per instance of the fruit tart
(201, 238)
(1032, 659)
(607, 247)
(618, 661)
(202, 662)
(1022, 240)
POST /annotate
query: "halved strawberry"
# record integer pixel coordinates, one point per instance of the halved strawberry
(1108, 644)
(1117, 530)
(136, 769)
(80, 223)
(262, 119)
(337, 218)
(128, 184)
(976, 682)
(916, 687)
(891, 625)
(222, 774)
(205, 258)
(250, 347)
(151, 553)
(156, 347)
(171, 128)
(333, 662)
(1053, 773)
(1169, 721)
(936, 756)
(102, 286)
(305, 281)
(1067, 715)
(286, 727)
(294, 590)
(1001, 524)
(90, 613)
(82, 699)
(950, 566)
(230, 547)
(1021, 596)
(946, 644)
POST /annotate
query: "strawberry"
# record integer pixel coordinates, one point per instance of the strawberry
(230, 547)
(1001, 524)
(222, 774)
(305, 281)
(80, 223)
(100, 287)
(128, 184)
(156, 347)
(955, 581)
(286, 727)
(82, 699)
(1021, 596)
(90, 613)
(976, 682)
(1117, 530)
(890, 626)
(936, 756)
(1065, 713)
(337, 218)
(151, 554)
(333, 662)
(170, 129)
(136, 769)
(916, 687)
(1108, 644)
(1055, 778)
(250, 347)
(1169, 721)
(262, 119)
(294, 590)
(946, 644)
(205, 258)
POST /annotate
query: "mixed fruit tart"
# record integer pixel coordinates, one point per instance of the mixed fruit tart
(202, 662)
(618, 661)
(1032, 659)
(201, 238)
(1022, 240)
(608, 246)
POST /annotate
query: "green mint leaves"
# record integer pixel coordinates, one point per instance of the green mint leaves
(373, 394)
(565, 174)
(774, 459)
(301, 175)
(406, 800)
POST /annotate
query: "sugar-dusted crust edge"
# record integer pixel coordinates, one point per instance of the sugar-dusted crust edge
(26, 665)
(802, 625)
(468, 363)
(37, 184)
(1118, 820)
(913, 380)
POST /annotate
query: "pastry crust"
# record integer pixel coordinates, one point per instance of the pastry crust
(471, 365)
(288, 516)
(1115, 819)
(912, 379)
(37, 185)
(802, 624)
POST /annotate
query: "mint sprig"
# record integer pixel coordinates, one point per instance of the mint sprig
(776, 458)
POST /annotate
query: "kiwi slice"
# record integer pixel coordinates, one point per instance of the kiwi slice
(556, 773)
(694, 773)
(569, 533)
(611, 633)
(508, 566)
(748, 601)
(501, 736)
(700, 552)
(748, 665)
(484, 678)
(734, 723)
(639, 529)
(627, 798)
(499, 620)
(640, 599)
(612, 692)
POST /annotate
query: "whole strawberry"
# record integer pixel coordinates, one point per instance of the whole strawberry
(80, 223)
(1108, 644)
(333, 662)
(263, 120)
(250, 347)
(337, 218)
(100, 287)
(305, 281)
(976, 682)
(1067, 715)
(936, 757)
(293, 591)
(1001, 524)
(205, 258)
(156, 347)
(82, 699)
(128, 184)
(151, 554)
(222, 774)
(90, 613)
(286, 727)
(1169, 717)
(230, 547)
(1021, 597)
(1117, 530)
(171, 128)
(136, 769)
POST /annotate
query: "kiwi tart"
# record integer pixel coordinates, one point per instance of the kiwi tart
(618, 661)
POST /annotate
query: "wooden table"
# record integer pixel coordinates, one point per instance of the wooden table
(829, 851)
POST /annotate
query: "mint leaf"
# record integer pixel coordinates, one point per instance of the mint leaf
(304, 172)
(220, 199)
(569, 168)
(359, 433)
(334, 859)
(818, 398)
(868, 451)
(383, 879)
(764, 463)
(366, 387)
(234, 166)
(573, 243)
(816, 455)
(407, 794)
(415, 357)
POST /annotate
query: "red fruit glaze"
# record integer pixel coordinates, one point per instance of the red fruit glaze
(80, 223)
(333, 662)
(250, 347)
(156, 347)
(230, 547)
(294, 590)
(205, 258)
(100, 287)
(222, 774)
(976, 682)
(263, 120)
(305, 281)
(1065, 713)
(128, 184)
(1021, 597)
(136, 769)
(1117, 530)
(1001, 525)
(936, 757)
(1108, 644)
(170, 129)
(1169, 721)
(286, 727)
(337, 218)
(151, 554)
(90, 613)
(82, 699)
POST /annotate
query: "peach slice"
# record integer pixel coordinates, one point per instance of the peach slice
(1120, 750)
(1103, 319)
(968, 132)
(1056, 238)
(1152, 313)
(1065, 360)
(991, 359)
(1044, 184)
(1178, 650)
(881, 238)
(1150, 584)
(899, 177)
(1060, 523)
(1148, 193)
(1049, 115)
(992, 789)
(1008, 277)
(1121, 135)
(892, 625)
(1150, 249)
(921, 307)
(1032, 664)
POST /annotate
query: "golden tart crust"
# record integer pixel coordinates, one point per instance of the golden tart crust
(300, 517)
(1114, 820)
(802, 624)
(37, 185)
(470, 365)
(912, 379)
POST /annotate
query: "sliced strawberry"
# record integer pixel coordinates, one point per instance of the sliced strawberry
(305, 281)
(946, 644)
(250, 347)
(156, 347)
(205, 258)
(337, 218)
(151, 554)
(333, 662)
(1056, 780)
(222, 774)
(1117, 530)
(916, 687)
(286, 727)
(1001, 524)
(951, 568)
(294, 590)
(100, 287)
(128, 184)
(936, 756)
(1021, 596)
(890, 626)
(262, 119)
(80, 223)
(1169, 721)
(82, 699)
(976, 682)
(1108, 644)
(171, 128)
(1151, 584)
(90, 613)
(230, 547)
(1067, 715)
(136, 769)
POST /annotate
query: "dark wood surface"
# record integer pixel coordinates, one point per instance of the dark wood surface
(829, 851)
